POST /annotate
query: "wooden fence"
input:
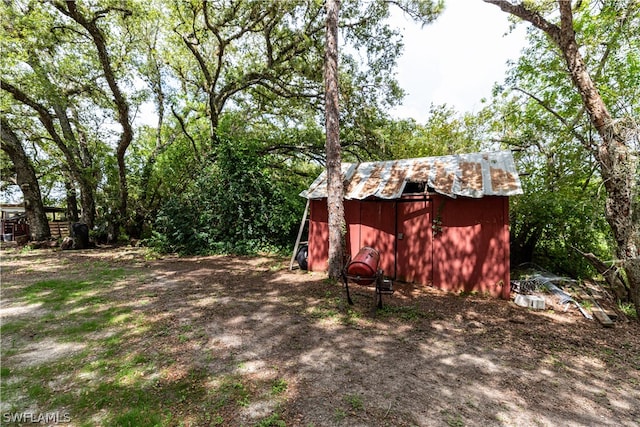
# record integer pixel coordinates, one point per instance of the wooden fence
(60, 229)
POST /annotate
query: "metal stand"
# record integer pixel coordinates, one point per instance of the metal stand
(383, 286)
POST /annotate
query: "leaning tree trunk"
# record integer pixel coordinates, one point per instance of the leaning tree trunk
(617, 164)
(119, 99)
(619, 168)
(28, 182)
(335, 204)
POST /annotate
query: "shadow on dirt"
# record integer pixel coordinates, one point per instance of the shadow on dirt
(213, 335)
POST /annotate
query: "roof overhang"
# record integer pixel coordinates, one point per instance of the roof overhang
(468, 175)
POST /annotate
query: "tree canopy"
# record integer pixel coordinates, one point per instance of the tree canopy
(77, 76)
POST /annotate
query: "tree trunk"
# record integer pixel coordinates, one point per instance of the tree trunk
(335, 204)
(610, 274)
(617, 165)
(28, 182)
(632, 268)
(72, 201)
(88, 203)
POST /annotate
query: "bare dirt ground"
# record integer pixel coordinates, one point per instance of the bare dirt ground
(428, 359)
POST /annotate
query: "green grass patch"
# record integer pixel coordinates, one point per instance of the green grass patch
(13, 327)
(58, 293)
(5, 372)
(235, 391)
(52, 293)
(355, 401)
(278, 386)
(407, 313)
(629, 310)
(323, 312)
(135, 417)
(272, 420)
(452, 419)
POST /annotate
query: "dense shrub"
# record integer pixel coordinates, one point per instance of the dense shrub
(240, 203)
(548, 227)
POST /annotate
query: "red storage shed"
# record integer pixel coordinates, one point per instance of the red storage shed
(440, 221)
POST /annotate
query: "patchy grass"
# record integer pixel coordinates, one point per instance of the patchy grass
(278, 386)
(355, 402)
(629, 310)
(107, 362)
(122, 339)
(407, 313)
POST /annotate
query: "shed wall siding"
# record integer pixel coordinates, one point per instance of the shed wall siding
(459, 245)
(377, 229)
(470, 251)
(318, 256)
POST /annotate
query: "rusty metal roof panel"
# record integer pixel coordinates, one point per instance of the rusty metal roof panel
(468, 175)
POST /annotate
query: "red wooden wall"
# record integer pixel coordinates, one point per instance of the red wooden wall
(453, 244)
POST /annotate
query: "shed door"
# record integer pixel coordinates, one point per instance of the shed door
(377, 229)
(414, 254)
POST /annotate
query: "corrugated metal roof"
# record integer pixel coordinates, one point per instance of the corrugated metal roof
(468, 175)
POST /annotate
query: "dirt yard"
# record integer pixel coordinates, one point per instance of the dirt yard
(299, 354)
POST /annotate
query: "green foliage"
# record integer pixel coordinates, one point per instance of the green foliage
(444, 132)
(547, 225)
(629, 310)
(235, 205)
(563, 203)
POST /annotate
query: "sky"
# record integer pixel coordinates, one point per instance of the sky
(455, 60)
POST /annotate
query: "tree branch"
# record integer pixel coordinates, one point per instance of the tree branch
(521, 11)
(45, 118)
(121, 103)
(562, 120)
(189, 137)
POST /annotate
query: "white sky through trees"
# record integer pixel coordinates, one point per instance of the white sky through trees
(457, 59)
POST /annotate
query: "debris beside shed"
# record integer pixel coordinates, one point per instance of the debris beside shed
(563, 292)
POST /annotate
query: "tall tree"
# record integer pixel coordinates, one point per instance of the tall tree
(337, 227)
(70, 65)
(266, 58)
(89, 21)
(27, 181)
(613, 151)
(217, 67)
(423, 11)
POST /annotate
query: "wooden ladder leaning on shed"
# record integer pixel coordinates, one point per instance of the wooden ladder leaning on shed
(303, 224)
